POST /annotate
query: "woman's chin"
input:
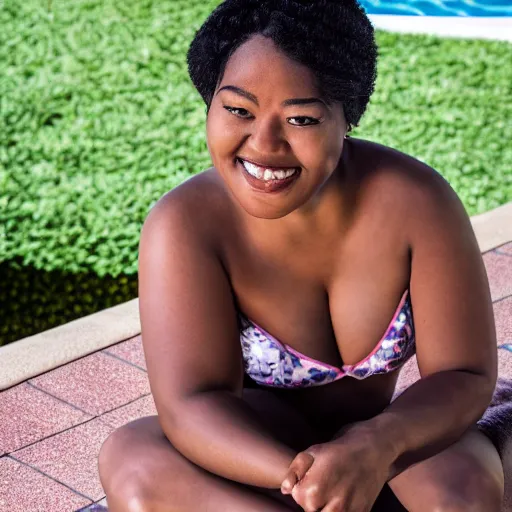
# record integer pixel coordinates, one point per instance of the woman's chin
(265, 211)
(262, 205)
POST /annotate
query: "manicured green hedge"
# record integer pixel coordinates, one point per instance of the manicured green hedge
(98, 119)
(449, 103)
(32, 301)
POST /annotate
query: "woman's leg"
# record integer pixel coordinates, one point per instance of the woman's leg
(506, 458)
(141, 471)
(467, 476)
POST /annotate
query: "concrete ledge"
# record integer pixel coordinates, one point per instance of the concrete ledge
(493, 228)
(477, 27)
(45, 351)
(42, 352)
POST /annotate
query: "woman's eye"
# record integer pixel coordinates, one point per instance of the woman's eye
(244, 114)
(304, 121)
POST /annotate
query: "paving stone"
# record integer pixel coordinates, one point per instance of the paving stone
(97, 383)
(503, 319)
(499, 272)
(23, 489)
(144, 406)
(29, 415)
(130, 350)
(71, 457)
(504, 363)
(505, 249)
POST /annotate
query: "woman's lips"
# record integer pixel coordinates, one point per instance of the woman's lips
(271, 186)
(271, 167)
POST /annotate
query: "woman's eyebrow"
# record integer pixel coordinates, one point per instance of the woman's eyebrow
(286, 103)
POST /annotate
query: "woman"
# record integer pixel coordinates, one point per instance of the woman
(329, 243)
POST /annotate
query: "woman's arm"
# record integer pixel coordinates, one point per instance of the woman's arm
(455, 333)
(192, 349)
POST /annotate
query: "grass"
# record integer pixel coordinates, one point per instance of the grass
(98, 119)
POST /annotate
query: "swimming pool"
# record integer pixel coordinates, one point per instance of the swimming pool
(439, 7)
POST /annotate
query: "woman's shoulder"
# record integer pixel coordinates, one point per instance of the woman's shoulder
(198, 208)
(200, 198)
(204, 188)
(393, 180)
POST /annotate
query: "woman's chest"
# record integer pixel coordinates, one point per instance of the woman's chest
(333, 308)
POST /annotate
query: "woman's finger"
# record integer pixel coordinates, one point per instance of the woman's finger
(298, 468)
(289, 482)
(336, 505)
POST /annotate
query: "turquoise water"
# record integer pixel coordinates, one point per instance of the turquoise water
(439, 7)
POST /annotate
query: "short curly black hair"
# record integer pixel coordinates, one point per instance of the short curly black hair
(333, 38)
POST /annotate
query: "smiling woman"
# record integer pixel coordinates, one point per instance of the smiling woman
(282, 290)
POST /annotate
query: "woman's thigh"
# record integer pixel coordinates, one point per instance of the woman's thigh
(466, 476)
(141, 470)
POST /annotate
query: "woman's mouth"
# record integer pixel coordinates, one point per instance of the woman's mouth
(268, 180)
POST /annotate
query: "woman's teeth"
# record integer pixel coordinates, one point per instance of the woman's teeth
(266, 174)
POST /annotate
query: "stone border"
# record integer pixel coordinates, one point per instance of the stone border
(45, 351)
(493, 228)
(474, 27)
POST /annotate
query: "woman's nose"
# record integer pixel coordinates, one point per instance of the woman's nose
(267, 136)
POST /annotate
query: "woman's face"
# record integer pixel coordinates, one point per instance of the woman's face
(262, 123)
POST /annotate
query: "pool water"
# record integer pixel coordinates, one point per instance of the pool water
(439, 7)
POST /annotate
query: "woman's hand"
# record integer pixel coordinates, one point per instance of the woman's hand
(344, 475)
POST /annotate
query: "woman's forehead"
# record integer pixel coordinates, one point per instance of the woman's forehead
(259, 62)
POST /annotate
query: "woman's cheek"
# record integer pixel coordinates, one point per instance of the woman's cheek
(223, 138)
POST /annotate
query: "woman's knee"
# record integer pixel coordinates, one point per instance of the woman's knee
(112, 450)
(124, 442)
(124, 474)
(474, 491)
(467, 476)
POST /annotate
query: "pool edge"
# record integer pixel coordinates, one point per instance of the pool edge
(474, 27)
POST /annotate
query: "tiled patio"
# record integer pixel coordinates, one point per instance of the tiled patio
(52, 426)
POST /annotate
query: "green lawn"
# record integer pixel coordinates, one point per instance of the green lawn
(98, 119)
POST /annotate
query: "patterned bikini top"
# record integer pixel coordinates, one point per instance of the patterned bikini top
(272, 363)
